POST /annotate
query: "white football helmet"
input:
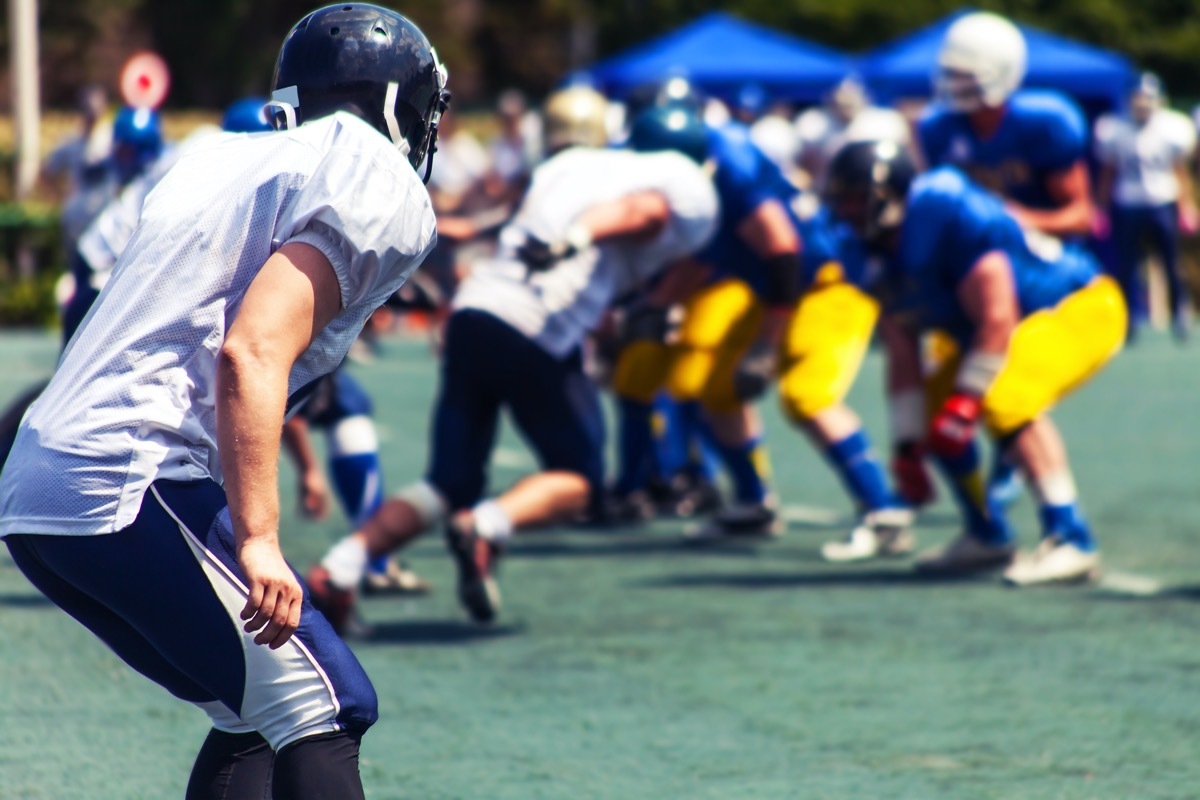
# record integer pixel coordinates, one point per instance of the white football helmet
(982, 62)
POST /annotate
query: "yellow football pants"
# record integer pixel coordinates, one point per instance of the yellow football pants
(720, 323)
(1052, 353)
(826, 341)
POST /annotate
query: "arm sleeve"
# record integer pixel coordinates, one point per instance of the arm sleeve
(368, 214)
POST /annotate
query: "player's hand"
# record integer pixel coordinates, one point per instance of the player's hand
(539, 255)
(754, 372)
(953, 428)
(1189, 219)
(646, 323)
(314, 494)
(913, 482)
(1101, 224)
(275, 595)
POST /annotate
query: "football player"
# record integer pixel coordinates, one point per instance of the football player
(141, 493)
(1027, 146)
(773, 249)
(1032, 320)
(596, 223)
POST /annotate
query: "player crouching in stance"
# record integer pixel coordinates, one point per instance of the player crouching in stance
(1033, 321)
(140, 495)
(595, 224)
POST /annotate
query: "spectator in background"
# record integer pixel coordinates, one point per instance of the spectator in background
(76, 172)
(770, 127)
(516, 149)
(460, 168)
(847, 115)
(1146, 187)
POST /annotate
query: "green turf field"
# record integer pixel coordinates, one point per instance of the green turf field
(627, 666)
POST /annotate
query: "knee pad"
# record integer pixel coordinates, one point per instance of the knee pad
(353, 436)
(430, 506)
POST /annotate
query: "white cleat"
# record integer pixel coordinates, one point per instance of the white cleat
(966, 555)
(881, 534)
(1054, 561)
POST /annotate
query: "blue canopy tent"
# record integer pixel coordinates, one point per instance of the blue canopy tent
(720, 54)
(1098, 79)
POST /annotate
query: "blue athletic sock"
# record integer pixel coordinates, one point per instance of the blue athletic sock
(747, 466)
(358, 481)
(671, 449)
(859, 468)
(704, 458)
(1068, 524)
(985, 519)
(635, 445)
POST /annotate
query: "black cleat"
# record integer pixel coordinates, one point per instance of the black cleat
(476, 558)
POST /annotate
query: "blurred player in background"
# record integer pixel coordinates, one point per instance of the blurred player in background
(255, 264)
(1031, 322)
(847, 115)
(596, 223)
(1145, 185)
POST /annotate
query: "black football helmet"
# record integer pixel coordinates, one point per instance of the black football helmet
(867, 187)
(369, 61)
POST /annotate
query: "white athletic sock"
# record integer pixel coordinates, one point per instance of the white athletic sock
(1056, 489)
(346, 562)
(491, 522)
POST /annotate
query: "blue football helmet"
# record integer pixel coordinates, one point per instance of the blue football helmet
(368, 61)
(670, 128)
(248, 115)
(137, 140)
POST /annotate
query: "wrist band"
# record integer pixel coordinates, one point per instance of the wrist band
(978, 372)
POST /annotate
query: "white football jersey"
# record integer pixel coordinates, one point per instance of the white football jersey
(133, 400)
(109, 233)
(558, 307)
(1144, 157)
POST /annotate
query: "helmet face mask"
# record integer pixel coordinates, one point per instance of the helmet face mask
(867, 189)
(368, 61)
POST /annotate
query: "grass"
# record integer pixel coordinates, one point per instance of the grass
(627, 666)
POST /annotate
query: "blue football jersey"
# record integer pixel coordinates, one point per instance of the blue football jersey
(1042, 133)
(745, 179)
(950, 224)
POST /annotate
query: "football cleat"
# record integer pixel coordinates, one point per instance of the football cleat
(880, 534)
(966, 555)
(476, 559)
(743, 521)
(1053, 561)
(397, 579)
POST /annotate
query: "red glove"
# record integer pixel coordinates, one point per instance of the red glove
(953, 427)
(913, 482)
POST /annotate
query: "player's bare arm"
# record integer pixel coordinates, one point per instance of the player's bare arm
(989, 297)
(292, 299)
(314, 491)
(770, 233)
(1073, 217)
(640, 216)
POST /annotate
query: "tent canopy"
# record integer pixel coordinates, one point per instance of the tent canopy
(721, 54)
(1096, 77)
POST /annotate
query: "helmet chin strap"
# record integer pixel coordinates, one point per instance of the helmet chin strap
(285, 101)
(389, 118)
